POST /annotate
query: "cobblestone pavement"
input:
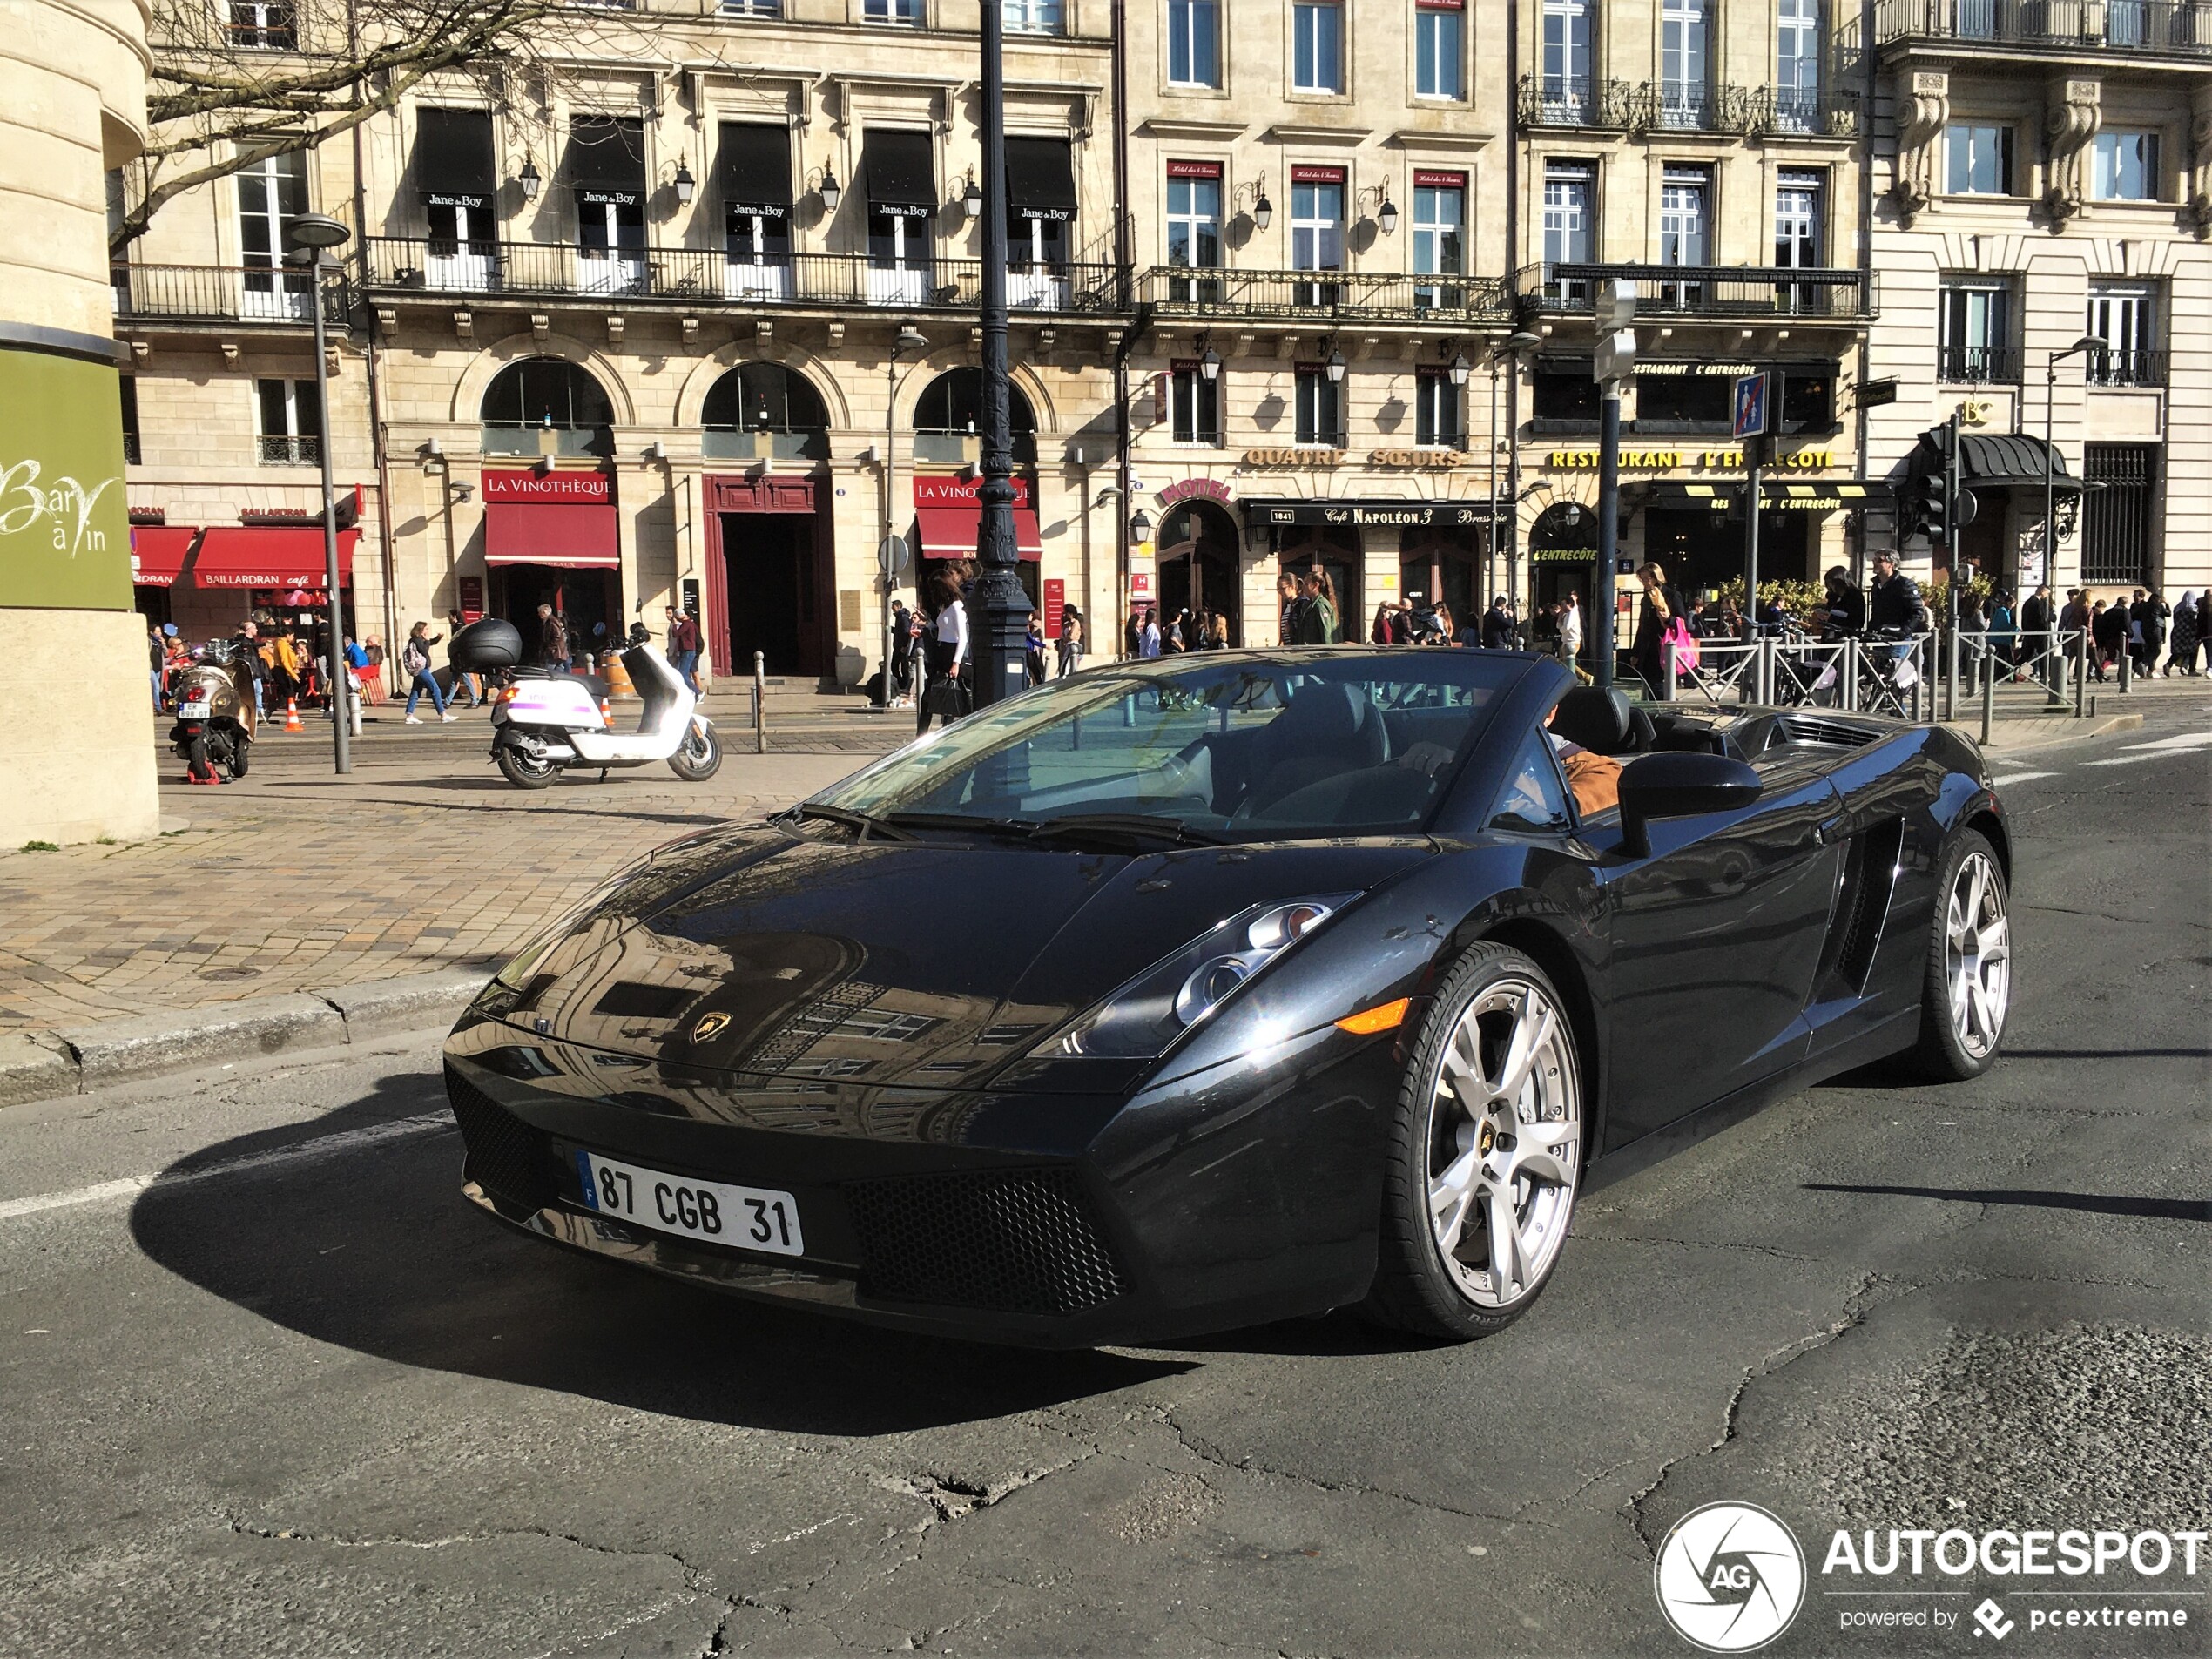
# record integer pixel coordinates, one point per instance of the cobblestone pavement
(294, 879)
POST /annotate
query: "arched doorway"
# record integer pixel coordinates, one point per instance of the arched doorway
(1337, 553)
(1562, 551)
(764, 401)
(547, 408)
(1197, 554)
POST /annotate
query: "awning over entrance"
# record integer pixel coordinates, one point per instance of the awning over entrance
(949, 532)
(1820, 497)
(1996, 461)
(157, 553)
(453, 156)
(756, 170)
(290, 556)
(572, 537)
(1040, 179)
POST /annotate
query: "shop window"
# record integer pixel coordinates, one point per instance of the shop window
(1194, 404)
(757, 402)
(288, 432)
(1681, 402)
(542, 405)
(1808, 401)
(1566, 395)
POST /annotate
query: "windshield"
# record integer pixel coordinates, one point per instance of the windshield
(1277, 747)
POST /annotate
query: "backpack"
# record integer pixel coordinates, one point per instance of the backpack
(416, 658)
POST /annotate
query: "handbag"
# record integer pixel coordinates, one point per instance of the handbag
(1681, 646)
(945, 699)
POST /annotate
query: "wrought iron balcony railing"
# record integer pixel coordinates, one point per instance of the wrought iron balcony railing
(1322, 296)
(288, 451)
(1805, 113)
(709, 276)
(1727, 291)
(1578, 101)
(2127, 368)
(1681, 107)
(2155, 27)
(221, 293)
(1979, 364)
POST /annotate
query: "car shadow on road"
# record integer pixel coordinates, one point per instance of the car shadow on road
(372, 1248)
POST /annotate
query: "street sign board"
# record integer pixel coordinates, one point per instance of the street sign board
(891, 557)
(1750, 405)
(1616, 356)
(1872, 394)
(1616, 307)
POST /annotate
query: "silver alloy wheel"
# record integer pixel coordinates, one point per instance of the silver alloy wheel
(1505, 1142)
(1978, 954)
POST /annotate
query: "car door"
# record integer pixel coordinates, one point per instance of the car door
(1714, 937)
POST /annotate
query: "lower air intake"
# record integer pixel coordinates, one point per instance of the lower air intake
(505, 1157)
(1016, 1241)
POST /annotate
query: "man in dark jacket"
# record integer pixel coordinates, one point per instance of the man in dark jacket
(1497, 627)
(1845, 611)
(1895, 601)
(2146, 615)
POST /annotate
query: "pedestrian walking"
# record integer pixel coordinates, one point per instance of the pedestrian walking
(1313, 622)
(1148, 634)
(1660, 616)
(1070, 642)
(470, 685)
(416, 663)
(899, 672)
(2147, 618)
(1033, 652)
(1286, 604)
(943, 698)
(552, 639)
(1570, 630)
(1497, 626)
(2189, 629)
(2108, 624)
(682, 646)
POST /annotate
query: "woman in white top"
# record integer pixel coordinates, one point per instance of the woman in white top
(948, 642)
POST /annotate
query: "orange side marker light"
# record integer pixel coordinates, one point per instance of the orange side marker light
(1388, 1017)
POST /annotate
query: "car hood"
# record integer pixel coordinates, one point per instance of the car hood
(927, 964)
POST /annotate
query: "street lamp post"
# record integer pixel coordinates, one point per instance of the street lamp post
(2084, 346)
(1617, 359)
(907, 339)
(315, 235)
(1509, 351)
(1001, 642)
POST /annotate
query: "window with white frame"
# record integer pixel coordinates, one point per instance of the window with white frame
(272, 193)
(1194, 43)
(1440, 234)
(1799, 204)
(1977, 159)
(1975, 341)
(1685, 216)
(752, 8)
(1685, 92)
(1317, 46)
(2125, 316)
(1570, 192)
(266, 25)
(1439, 413)
(1194, 223)
(1316, 229)
(1568, 90)
(1796, 66)
(1194, 404)
(288, 422)
(1320, 407)
(2125, 166)
(1439, 46)
(899, 11)
(1035, 16)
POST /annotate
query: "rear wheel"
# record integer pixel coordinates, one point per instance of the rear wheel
(1485, 1155)
(521, 770)
(1967, 989)
(239, 756)
(700, 757)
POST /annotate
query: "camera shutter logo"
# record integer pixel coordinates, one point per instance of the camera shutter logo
(1731, 1577)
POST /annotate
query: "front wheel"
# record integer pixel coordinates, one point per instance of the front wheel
(523, 771)
(1486, 1153)
(701, 756)
(1967, 985)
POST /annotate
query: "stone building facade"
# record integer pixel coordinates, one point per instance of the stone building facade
(2043, 175)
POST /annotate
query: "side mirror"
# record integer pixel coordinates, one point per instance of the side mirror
(1680, 783)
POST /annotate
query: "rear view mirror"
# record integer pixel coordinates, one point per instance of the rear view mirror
(1680, 783)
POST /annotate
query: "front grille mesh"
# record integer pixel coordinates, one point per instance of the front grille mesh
(1013, 1241)
(505, 1157)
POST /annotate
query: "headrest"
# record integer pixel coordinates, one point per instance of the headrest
(1599, 720)
(1329, 719)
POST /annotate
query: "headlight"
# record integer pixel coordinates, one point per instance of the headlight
(1140, 1020)
(515, 975)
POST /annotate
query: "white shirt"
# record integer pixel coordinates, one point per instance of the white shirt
(952, 629)
(1570, 627)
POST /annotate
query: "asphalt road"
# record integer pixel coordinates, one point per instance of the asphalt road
(293, 1397)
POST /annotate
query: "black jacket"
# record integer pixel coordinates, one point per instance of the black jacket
(1846, 611)
(1896, 603)
(1497, 632)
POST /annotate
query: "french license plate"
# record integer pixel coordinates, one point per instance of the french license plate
(742, 1218)
(196, 710)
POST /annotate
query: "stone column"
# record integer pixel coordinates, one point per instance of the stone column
(75, 747)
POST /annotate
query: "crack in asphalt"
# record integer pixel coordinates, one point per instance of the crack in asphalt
(1698, 1244)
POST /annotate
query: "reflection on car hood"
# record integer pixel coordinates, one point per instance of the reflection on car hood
(923, 964)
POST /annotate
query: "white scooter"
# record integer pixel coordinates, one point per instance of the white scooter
(547, 721)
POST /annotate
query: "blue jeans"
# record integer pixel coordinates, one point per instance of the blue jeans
(424, 682)
(154, 676)
(687, 664)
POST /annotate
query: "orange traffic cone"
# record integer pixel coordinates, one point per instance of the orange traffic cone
(606, 712)
(292, 715)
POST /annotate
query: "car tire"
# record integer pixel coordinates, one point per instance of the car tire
(1967, 978)
(1481, 1133)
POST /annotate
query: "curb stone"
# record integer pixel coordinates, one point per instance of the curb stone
(42, 1065)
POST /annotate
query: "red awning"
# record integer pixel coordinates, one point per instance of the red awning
(560, 533)
(157, 553)
(270, 555)
(949, 532)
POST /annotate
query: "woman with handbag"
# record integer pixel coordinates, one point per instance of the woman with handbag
(1661, 627)
(946, 643)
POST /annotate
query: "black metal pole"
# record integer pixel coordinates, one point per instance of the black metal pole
(1608, 519)
(999, 623)
(335, 661)
(1754, 457)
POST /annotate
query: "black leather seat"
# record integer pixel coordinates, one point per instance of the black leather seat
(1328, 729)
(1601, 721)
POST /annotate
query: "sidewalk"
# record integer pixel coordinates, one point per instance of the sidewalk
(296, 879)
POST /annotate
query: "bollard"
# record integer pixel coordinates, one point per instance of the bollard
(759, 703)
(354, 710)
(2081, 675)
(2127, 671)
(1988, 696)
